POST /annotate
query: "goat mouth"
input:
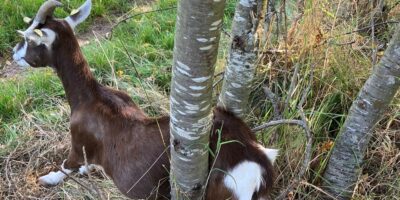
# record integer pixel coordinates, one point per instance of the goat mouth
(22, 62)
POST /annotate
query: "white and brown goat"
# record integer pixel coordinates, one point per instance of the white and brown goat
(120, 137)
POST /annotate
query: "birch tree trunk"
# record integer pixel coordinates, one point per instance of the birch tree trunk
(197, 36)
(268, 19)
(241, 66)
(344, 165)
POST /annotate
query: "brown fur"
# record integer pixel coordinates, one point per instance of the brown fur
(119, 136)
(242, 146)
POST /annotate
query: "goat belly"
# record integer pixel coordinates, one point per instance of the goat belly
(143, 172)
(143, 184)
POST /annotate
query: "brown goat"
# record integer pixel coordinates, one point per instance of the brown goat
(117, 135)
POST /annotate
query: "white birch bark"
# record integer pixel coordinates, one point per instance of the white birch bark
(345, 162)
(241, 66)
(197, 36)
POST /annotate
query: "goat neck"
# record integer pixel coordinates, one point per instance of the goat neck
(72, 68)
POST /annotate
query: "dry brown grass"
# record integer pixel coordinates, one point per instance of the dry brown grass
(43, 146)
(342, 61)
(38, 151)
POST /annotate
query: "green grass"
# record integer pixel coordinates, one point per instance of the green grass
(149, 41)
(31, 93)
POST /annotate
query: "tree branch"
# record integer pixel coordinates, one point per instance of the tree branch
(302, 123)
(274, 101)
(293, 84)
(135, 15)
(279, 122)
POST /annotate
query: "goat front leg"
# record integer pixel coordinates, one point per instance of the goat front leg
(69, 165)
(84, 170)
(54, 178)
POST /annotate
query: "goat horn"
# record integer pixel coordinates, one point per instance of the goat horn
(46, 10)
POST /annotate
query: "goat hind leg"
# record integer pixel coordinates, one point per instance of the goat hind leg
(84, 170)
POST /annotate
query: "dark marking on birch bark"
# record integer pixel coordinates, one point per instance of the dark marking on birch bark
(176, 143)
(238, 43)
(197, 187)
(361, 105)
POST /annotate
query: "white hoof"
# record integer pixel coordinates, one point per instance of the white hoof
(52, 179)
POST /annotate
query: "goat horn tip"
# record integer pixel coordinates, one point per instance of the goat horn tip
(27, 19)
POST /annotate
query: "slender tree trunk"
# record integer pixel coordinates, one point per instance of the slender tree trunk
(345, 162)
(241, 66)
(197, 36)
(268, 20)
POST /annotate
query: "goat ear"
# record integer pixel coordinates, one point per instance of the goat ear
(79, 15)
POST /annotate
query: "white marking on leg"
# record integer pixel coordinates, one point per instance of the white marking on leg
(83, 170)
(54, 178)
(244, 179)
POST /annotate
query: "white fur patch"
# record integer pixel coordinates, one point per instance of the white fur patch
(54, 178)
(271, 154)
(83, 170)
(244, 179)
(19, 55)
(23, 63)
(49, 38)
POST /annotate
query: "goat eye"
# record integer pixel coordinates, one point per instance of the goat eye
(30, 42)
